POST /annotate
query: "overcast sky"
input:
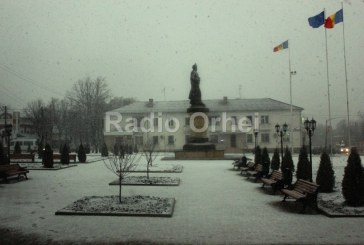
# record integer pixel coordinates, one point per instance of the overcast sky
(143, 47)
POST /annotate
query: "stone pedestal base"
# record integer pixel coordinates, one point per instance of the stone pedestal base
(199, 155)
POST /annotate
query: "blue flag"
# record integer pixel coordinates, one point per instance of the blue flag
(317, 20)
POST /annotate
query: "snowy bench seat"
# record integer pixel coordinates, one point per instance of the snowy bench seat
(257, 172)
(303, 191)
(273, 180)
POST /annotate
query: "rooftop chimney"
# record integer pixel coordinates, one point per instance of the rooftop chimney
(150, 103)
(225, 100)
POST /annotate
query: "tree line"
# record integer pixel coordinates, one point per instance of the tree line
(76, 118)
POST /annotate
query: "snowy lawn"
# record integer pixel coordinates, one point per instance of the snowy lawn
(130, 206)
(214, 205)
(39, 166)
(152, 181)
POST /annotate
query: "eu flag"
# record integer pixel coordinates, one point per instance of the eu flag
(317, 20)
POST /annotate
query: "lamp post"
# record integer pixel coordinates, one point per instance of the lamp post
(281, 131)
(310, 127)
(256, 131)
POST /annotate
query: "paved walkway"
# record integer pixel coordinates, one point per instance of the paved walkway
(214, 205)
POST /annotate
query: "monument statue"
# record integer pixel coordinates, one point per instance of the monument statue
(195, 93)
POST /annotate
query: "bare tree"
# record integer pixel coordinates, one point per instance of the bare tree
(88, 99)
(149, 151)
(121, 166)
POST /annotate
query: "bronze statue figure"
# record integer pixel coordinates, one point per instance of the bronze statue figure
(195, 93)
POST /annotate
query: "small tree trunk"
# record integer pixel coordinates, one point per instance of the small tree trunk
(120, 180)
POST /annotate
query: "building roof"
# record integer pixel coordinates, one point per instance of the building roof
(222, 105)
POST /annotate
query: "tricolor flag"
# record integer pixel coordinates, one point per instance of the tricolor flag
(281, 46)
(334, 19)
(317, 20)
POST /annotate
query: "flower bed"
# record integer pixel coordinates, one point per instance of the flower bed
(152, 181)
(130, 206)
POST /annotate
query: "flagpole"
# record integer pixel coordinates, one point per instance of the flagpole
(346, 79)
(290, 93)
(328, 85)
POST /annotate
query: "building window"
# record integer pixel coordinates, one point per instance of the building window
(187, 121)
(264, 138)
(155, 123)
(250, 119)
(171, 123)
(249, 138)
(170, 140)
(264, 119)
(155, 140)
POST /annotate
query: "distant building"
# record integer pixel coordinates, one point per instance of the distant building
(21, 125)
(231, 124)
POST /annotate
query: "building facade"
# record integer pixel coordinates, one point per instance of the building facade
(231, 124)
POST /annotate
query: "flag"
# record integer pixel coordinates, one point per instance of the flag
(281, 46)
(334, 19)
(317, 20)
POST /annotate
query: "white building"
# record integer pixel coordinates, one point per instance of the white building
(231, 124)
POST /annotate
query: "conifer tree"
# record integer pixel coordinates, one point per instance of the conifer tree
(40, 149)
(17, 149)
(48, 157)
(81, 154)
(303, 165)
(275, 164)
(65, 155)
(3, 159)
(325, 175)
(287, 167)
(258, 155)
(287, 162)
(265, 161)
(104, 150)
(353, 181)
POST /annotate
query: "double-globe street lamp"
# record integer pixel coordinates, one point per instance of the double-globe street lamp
(310, 127)
(280, 132)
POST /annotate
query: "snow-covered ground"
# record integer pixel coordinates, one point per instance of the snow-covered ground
(214, 205)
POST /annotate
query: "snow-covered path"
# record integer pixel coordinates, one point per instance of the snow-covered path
(214, 205)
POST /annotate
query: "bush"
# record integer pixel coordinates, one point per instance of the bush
(265, 161)
(325, 174)
(275, 164)
(48, 157)
(303, 165)
(353, 181)
(17, 149)
(65, 155)
(81, 154)
(104, 151)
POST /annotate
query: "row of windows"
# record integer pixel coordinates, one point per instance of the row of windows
(212, 120)
(170, 140)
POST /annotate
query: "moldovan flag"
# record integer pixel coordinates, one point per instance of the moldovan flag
(334, 19)
(317, 20)
(281, 46)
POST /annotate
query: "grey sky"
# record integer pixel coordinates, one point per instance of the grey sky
(142, 47)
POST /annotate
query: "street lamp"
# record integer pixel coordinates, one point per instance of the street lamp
(281, 131)
(310, 127)
(256, 131)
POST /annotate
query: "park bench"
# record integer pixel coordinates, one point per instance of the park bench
(256, 172)
(23, 156)
(274, 179)
(237, 164)
(57, 156)
(303, 191)
(249, 166)
(9, 170)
